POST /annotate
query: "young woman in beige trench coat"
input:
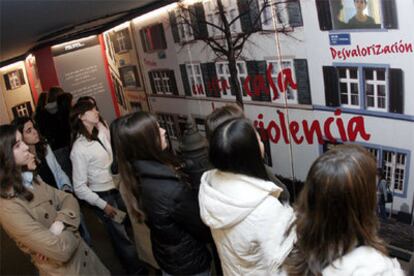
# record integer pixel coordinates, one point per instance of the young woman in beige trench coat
(42, 220)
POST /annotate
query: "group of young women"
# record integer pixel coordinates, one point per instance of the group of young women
(331, 231)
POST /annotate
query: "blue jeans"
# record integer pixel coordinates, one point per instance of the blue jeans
(124, 247)
(83, 230)
(382, 212)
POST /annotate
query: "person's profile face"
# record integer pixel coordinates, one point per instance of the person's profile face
(30, 134)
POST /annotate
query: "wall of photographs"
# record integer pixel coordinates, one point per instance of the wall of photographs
(125, 70)
(16, 93)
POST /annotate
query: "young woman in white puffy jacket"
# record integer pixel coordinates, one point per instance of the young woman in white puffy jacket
(241, 206)
(336, 225)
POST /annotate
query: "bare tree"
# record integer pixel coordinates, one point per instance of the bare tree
(229, 45)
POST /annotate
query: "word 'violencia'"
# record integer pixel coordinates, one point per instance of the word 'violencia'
(254, 85)
(274, 131)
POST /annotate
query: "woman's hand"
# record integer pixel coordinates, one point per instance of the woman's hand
(57, 227)
(109, 211)
(41, 257)
(31, 165)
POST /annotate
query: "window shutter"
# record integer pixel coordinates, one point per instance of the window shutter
(198, 20)
(7, 81)
(210, 79)
(249, 15)
(302, 80)
(184, 77)
(324, 15)
(174, 27)
(389, 13)
(112, 36)
(21, 77)
(396, 91)
(295, 15)
(158, 37)
(255, 69)
(173, 83)
(330, 77)
(143, 41)
(151, 78)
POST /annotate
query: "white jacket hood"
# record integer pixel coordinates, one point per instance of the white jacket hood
(364, 261)
(228, 198)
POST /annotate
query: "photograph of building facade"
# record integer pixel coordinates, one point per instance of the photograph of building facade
(311, 82)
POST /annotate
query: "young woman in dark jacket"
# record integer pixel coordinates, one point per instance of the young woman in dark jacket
(160, 197)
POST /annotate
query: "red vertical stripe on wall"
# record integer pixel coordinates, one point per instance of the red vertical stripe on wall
(108, 76)
(29, 70)
(46, 68)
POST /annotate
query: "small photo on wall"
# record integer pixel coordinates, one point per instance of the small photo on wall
(119, 92)
(129, 76)
(14, 79)
(22, 110)
(136, 106)
(121, 41)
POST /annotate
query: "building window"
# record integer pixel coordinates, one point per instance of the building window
(280, 14)
(122, 41)
(163, 82)
(223, 76)
(184, 25)
(378, 14)
(277, 67)
(370, 88)
(212, 17)
(374, 152)
(153, 38)
(349, 86)
(375, 89)
(393, 162)
(195, 78)
(167, 122)
(394, 168)
(242, 73)
(233, 14)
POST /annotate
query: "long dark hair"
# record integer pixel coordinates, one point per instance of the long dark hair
(335, 210)
(53, 93)
(135, 137)
(41, 146)
(234, 148)
(76, 125)
(41, 102)
(221, 115)
(64, 103)
(10, 173)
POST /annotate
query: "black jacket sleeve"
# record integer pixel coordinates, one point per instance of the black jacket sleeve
(186, 212)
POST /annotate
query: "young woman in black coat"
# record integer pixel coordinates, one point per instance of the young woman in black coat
(160, 196)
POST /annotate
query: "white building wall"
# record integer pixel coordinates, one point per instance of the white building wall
(307, 42)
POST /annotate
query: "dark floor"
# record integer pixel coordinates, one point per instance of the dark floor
(399, 236)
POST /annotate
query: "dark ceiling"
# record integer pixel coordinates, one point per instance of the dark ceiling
(27, 24)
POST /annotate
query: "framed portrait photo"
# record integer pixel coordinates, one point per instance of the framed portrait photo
(129, 77)
(14, 79)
